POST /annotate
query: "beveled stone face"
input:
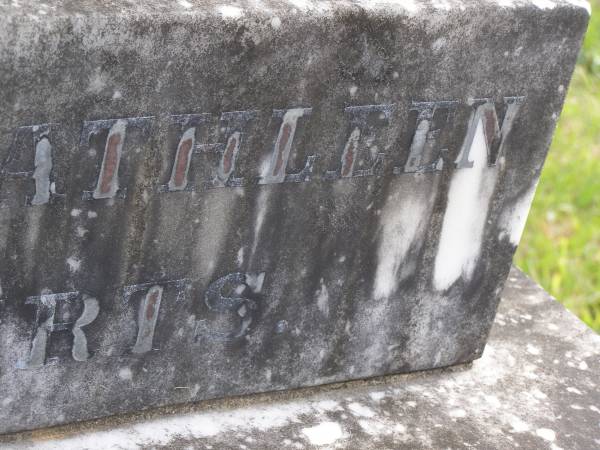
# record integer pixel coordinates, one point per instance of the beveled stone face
(199, 201)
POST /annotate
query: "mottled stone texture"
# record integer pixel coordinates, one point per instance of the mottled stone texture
(536, 387)
(200, 200)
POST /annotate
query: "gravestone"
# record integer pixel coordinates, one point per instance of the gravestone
(200, 200)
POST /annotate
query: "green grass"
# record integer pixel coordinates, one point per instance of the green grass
(561, 245)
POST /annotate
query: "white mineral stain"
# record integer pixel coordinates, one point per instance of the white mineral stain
(326, 433)
(457, 413)
(544, 4)
(377, 396)
(185, 4)
(514, 216)
(353, 90)
(97, 82)
(538, 394)
(262, 205)
(92, 214)
(493, 401)
(360, 410)
(323, 299)
(302, 5)
(546, 433)
(506, 3)
(230, 12)
(438, 44)
(464, 220)
(275, 22)
(240, 257)
(442, 4)
(533, 350)
(75, 212)
(117, 95)
(581, 4)
(74, 264)
(81, 232)
(125, 373)
(403, 222)
(518, 425)
(372, 427)
(583, 366)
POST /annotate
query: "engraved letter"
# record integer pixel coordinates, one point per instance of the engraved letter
(44, 188)
(237, 120)
(495, 135)
(360, 128)
(424, 155)
(148, 314)
(41, 174)
(185, 150)
(183, 158)
(228, 152)
(108, 181)
(241, 286)
(276, 172)
(108, 185)
(54, 313)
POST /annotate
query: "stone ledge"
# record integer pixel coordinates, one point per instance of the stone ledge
(536, 386)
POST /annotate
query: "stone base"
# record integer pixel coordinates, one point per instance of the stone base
(536, 386)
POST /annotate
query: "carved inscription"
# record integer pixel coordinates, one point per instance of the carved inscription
(231, 302)
(108, 184)
(235, 295)
(495, 135)
(186, 149)
(41, 172)
(238, 302)
(54, 313)
(361, 128)
(229, 151)
(149, 308)
(424, 154)
(276, 172)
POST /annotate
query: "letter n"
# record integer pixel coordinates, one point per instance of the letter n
(484, 112)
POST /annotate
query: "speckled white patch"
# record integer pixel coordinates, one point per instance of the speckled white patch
(74, 264)
(276, 22)
(323, 299)
(125, 373)
(360, 410)
(230, 11)
(326, 433)
(546, 433)
(544, 4)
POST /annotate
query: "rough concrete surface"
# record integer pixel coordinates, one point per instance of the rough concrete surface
(536, 386)
(203, 199)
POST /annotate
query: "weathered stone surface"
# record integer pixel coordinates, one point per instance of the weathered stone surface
(236, 198)
(536, 387)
